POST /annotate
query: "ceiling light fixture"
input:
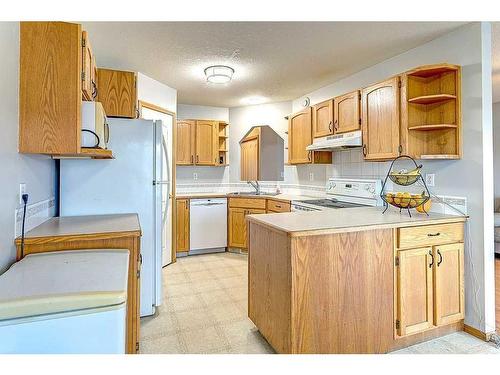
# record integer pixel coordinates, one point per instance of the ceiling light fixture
(219, 74)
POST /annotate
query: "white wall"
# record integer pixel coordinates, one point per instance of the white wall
(38, 172)
(467, 177)
(201, 112)
(157, 93)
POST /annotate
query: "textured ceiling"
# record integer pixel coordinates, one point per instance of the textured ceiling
(277, 60)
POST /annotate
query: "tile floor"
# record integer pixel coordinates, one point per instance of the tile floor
(205, 311)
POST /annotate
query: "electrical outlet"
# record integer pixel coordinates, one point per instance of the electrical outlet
(195, 176)
(311, 176)
(22, 190)
(429, 179)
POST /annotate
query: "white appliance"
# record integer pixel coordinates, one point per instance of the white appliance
(337, 141)
(130, 183)
(65, 302)
(207, 225)
(95, 131)
(344, 193)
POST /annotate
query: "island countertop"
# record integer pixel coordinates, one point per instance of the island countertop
(348, 220)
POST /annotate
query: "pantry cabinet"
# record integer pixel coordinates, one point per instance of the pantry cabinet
(346, 113)
(117, 91)
(380, 120)
(322, 119)
(182, 225)
(197, 143)
(56, 66)
(429, 278)
(300, 136)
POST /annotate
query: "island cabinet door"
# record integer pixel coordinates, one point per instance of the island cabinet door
(414, 290)
(448, 283)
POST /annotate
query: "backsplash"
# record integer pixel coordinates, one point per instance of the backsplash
(36, 214)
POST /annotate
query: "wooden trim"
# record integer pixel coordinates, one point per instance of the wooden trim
(477, 333)
(157, 108)
(154, 107)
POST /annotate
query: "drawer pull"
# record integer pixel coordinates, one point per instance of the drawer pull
(433, 234)
(277, 206)
(440, 258)
(432, 259)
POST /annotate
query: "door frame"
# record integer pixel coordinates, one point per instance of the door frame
(156, 108)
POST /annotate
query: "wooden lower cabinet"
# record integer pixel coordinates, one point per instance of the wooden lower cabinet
(414, 291)
(237, 225)
(429, 285)
(182, 225)
(449, 296)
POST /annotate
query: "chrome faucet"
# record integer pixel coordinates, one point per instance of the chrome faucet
(255, 185)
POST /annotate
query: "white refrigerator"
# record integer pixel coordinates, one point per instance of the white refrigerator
(135, 181)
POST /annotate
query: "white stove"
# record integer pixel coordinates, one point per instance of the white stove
(344, 193)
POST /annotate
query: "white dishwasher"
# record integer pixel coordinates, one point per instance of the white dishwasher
(207, 225)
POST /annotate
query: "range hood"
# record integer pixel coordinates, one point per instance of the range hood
(338, 141)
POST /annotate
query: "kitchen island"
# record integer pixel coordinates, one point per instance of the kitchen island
(354, 280)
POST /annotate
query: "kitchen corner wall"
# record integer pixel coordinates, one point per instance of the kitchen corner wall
(38, 172)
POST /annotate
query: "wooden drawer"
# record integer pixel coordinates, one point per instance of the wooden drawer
(278, 206)
(429, 235)
(258, 203)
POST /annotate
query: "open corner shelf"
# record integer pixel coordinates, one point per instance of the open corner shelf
(431, 99)
(425, 72)
(432, 127)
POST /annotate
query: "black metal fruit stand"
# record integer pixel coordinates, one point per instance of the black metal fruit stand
(404, 179)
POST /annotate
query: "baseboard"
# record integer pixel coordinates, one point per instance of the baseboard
(477, 333)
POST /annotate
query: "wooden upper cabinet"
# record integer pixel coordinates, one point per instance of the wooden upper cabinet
(50, 91)
(448, 283)
(299, 137)
(414, 291)
(380, 120)
(346, 113)
(322, 120)
(182, 225)
(89, 70)
(207, 151)
(117, 91)
(185, 147)
(249, 159)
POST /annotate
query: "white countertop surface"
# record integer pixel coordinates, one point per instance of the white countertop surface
(287, 197)
(348, 220)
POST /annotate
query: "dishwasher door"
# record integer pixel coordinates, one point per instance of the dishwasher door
(207, 223)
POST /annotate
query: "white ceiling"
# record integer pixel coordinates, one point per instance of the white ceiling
(277, 60)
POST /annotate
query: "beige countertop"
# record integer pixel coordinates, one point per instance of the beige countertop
(347, 220)
(82, 225)
(282, 197)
